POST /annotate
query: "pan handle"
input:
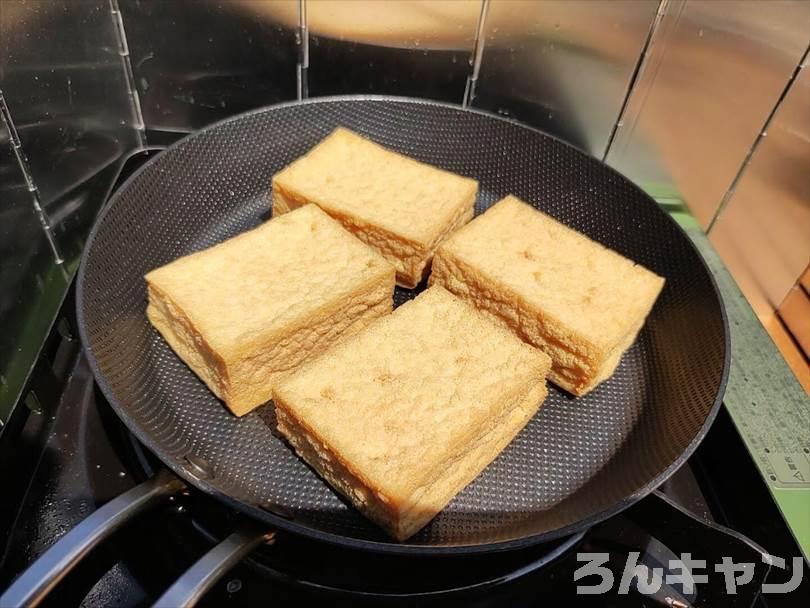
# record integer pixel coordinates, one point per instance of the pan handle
(195, 581)
(33, 585)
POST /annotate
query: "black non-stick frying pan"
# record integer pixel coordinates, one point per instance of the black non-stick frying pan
(577, 462)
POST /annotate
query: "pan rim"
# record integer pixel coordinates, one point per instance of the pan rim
(392, 547)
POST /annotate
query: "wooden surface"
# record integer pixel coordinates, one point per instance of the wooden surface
(794, 312)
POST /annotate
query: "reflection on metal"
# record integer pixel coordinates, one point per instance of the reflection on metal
(63, 84)
(302, 40)
(477, 55)
(762, 231)
(713, 73)
(126, 64)
(198, 61)
(762, 135)
(32, 281)
(563, 66)
(25, 170)
(405, 24)
(62, 79)
(641, 65)
(401, 47)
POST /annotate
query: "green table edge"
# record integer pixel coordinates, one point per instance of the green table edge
(755, 356)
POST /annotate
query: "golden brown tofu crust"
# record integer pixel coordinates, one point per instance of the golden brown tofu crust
(399, 206)
(244, 313)
(401, 416)
(580, 302)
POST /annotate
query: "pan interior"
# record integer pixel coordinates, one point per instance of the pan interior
(575, 460)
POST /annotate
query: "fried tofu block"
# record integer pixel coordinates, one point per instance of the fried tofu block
(580, 302)
(402, 416)
(399, 206)
(245, 312)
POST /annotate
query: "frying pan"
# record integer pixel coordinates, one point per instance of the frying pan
(576, 463)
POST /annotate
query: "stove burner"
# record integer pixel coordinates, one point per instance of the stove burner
(320, 566)
(89, 458)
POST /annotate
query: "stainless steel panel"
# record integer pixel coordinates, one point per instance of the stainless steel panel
(68, 120)
(62, 76)
(418, 48)
(763, 232)
(563, 66)
(32, 282)
(198, 61)
(713, 74)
